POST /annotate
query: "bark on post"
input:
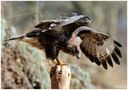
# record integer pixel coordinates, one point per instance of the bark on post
(60, 77)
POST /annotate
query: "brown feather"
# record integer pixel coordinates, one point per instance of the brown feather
(98, 47)
(104, 64)
(117, 43)
(45, 24)
(115, 58)
(109, 61)
(117, 51)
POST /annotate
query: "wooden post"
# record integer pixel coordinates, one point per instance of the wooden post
(60, 77)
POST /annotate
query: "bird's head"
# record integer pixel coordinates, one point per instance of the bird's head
(73, 50)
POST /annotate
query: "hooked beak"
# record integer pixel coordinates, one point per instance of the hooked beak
(78, 55)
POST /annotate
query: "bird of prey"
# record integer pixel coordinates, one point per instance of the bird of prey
(73, 35)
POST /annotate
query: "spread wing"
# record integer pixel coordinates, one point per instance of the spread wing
(98, 47)
(46, 24)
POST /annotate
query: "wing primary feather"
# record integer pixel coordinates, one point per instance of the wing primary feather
(97, 61)
(117, 43)
(104, 64)
(118, 51)
(91, 58)
(109, 61)
(115, 58)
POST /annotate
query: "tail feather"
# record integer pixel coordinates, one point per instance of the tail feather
(15, 38)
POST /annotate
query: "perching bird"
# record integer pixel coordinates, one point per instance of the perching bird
(63, 34)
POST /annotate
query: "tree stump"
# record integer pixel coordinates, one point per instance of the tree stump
(60, 76)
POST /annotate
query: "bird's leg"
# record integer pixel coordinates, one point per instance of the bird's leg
(59, 62)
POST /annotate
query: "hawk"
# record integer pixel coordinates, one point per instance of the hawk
(73, 35)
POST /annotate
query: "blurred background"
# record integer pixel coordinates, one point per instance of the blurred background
(23, 66)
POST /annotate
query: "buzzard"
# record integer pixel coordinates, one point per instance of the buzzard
(73, 35)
